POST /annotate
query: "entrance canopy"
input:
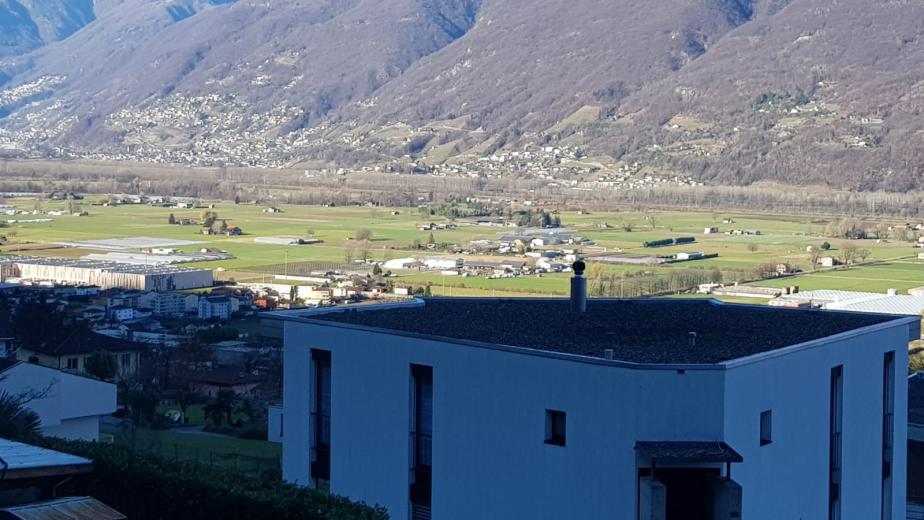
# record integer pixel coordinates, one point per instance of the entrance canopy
(687, 452)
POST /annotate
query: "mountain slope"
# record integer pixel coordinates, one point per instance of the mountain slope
(807, 95)
(730, 91)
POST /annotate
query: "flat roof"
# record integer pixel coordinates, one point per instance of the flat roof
(646, 331)
(28, 461)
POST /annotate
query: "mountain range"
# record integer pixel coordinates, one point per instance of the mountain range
(824, 92)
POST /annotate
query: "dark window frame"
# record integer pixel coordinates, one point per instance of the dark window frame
(556, 427)
(421, 437)
(321, 420)
(836, 443)
(888, 432)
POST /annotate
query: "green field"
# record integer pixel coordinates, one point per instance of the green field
(782, 239)
(901, 275)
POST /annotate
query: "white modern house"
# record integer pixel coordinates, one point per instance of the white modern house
(69, 406)
(601, 409)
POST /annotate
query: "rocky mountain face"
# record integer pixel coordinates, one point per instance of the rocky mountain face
(728, 91)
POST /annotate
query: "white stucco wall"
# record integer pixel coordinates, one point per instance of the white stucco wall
(489, 458)
(790, 475)
(68, 405)
(489, 455)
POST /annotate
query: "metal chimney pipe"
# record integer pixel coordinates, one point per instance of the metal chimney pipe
(578, 288)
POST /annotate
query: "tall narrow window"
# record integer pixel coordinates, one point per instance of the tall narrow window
(888, 431)
(320, 415)
(766, 427)
(836, 443)
(421, 477)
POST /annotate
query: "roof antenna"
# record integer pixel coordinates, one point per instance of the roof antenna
(578, 288)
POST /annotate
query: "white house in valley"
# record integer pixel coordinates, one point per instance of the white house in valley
(69, 406)
(599, 409)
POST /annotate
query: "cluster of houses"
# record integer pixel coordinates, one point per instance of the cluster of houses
(11, 211)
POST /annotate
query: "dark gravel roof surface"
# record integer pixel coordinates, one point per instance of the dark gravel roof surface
(639, 331)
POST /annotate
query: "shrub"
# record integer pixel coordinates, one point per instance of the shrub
(146, 487)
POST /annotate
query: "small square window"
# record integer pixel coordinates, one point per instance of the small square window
(555, 427)
(766, 427)
(72, 363)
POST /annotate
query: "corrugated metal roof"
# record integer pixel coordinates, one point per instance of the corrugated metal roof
(877, 303)
(898, 305)
(72, 508)
(25, 458)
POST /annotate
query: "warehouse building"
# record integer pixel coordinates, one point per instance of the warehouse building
(629, 409)
(105, 275)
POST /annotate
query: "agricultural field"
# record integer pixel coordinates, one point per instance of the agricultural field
(783, 239)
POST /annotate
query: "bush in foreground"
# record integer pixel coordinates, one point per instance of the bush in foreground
(145, 487)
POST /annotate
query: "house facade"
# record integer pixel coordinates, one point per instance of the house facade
(632, 410)
(73, 353)
(68, 405)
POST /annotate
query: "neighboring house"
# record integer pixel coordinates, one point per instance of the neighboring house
(220, 307)
(31, 476)
(71, 354)
(211, 381)
(69, 406)
(648, 409)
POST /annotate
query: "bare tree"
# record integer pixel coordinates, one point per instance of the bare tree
(848, 253)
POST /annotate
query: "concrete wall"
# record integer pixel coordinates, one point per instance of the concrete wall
(489, 455)
(790, 476)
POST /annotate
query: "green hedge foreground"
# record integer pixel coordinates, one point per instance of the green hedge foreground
(145, 487)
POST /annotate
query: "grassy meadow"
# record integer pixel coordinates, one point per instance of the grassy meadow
(394, 230)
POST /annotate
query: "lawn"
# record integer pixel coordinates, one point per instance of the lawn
(218, 450)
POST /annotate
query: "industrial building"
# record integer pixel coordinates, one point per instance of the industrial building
(594, 409)
(891, 302)
(105, 275)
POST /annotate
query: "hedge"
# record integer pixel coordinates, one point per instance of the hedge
(146, 487)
